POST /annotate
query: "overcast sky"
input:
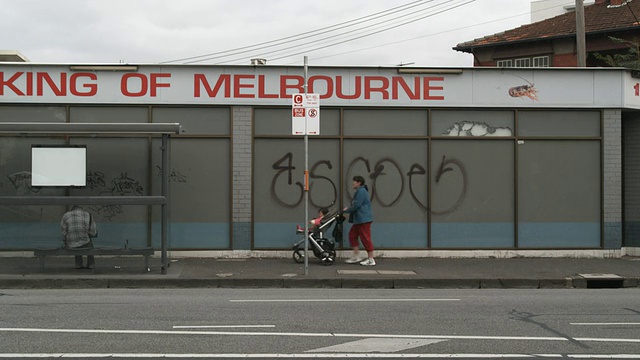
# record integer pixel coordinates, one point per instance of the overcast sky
(154, 31)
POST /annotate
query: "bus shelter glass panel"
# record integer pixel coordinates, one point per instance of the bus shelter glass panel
(385, 122)
(559, 194)
(117, 167)
(559, 123)
(472, 194)
(199, 194)
(395, 173)
(487, 123)
(278, 121)
(278, 195)
(26, 227)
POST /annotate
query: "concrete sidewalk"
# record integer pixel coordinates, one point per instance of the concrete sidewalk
(129, 272)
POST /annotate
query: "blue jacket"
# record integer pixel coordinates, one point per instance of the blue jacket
(360, 209)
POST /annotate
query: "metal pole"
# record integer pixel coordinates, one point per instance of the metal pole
(306, 181)
(165, 193)
(580, 34)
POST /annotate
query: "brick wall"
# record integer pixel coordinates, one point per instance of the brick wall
(241, 200)
(612, 179)
(565, 60)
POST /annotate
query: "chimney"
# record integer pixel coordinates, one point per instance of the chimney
(616, 2)
(258, 61)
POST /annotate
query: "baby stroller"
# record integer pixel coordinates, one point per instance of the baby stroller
(322, 248)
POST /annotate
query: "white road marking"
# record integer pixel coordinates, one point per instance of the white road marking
(376, 345)
(605, 324)
(341, 300)
(289, 334)
(220, 326)
(319, 356)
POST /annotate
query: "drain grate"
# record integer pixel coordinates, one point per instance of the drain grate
(603, 281)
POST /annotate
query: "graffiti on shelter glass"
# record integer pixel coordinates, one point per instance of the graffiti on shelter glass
(174, 176)
(95, 179)
(385, 170)
(107, 211)
(124, 186)
(21, 182)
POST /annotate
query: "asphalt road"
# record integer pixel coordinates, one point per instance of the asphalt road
(319, 323)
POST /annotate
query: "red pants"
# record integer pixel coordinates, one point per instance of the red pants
(363, 231)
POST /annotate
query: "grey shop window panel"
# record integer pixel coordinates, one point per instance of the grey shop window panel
(559, 123)
(195, 121)
(33, 114)
(386, 122)
(278, 121)
(395, 172)
(475, 123)
(109, 114)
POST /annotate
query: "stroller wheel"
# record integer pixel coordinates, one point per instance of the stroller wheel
(298, 256)
(328, 257)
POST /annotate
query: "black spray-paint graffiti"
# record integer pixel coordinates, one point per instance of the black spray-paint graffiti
(174, 176)
(121, 186)
(124, 186)
(95, 180)
(385, 167)
(107, 211)
(21, 181)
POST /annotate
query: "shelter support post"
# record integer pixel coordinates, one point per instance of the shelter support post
(165, 209)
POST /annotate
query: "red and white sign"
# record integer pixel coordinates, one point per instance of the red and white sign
(30, 83)
(299, 115)
(305, 114)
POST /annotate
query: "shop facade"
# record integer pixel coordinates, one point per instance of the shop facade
(456, 159)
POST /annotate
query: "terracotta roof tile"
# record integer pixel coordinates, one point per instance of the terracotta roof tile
(598, 18)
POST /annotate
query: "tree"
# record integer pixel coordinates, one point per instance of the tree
(630, 59)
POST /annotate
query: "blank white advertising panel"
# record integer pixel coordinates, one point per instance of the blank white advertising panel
(58, 165)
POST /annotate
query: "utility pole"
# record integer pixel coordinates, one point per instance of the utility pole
(580, 34)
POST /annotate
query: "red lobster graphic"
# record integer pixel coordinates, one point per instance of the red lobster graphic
(524, 90)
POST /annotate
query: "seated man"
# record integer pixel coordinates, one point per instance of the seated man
(77, 228)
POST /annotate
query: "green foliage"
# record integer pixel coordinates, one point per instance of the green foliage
(630, 59)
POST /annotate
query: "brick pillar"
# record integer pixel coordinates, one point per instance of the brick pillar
(612, 179)
(241, 147)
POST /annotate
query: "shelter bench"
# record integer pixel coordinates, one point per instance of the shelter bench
(42, 253)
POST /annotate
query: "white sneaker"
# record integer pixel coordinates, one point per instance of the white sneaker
(368, 262)
(353, 260)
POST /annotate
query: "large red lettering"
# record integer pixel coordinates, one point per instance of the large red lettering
(155, 84)
(200, 80)
(284, 85)
(124, 85)
(237, 85)
(357, 91)
(9, 83)
(428, 88)
(382, 89)
(42, 77)
(329, 85)
(412, 94)
(261, 91)
(74, 81)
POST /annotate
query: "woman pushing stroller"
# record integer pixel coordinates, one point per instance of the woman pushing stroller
(361, 217)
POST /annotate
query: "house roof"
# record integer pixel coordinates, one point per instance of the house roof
(599, 17)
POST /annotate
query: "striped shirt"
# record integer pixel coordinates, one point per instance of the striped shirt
(76, 227)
